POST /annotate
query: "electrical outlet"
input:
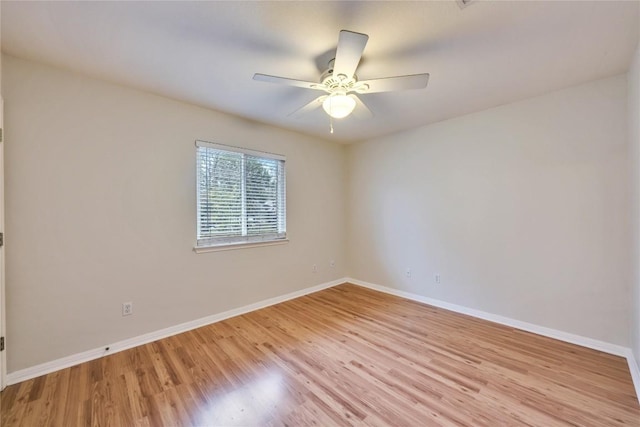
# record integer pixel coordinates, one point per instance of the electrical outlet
(127, 308)
(332, 263)
(315, 268)
(437, 278)
(408, 273)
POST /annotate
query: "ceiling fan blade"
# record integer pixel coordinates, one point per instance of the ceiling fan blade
(308, 107)
(388, 84)
(286, 81)
(348, 54)
(361, 111)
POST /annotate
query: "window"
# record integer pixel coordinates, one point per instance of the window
(241, 196)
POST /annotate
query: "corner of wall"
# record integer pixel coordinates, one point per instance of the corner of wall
(347, 208)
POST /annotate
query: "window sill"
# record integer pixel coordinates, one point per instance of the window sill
(232, 246)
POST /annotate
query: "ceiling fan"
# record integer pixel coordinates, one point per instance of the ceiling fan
(340, 83)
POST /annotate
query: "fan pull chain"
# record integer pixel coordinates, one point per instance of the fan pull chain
(331, 123)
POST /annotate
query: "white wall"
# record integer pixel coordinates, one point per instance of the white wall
(634, 145)
(100, 192)
(522, 209)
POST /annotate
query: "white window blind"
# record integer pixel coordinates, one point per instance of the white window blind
(241, 195)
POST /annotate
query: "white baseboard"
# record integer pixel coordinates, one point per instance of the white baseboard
(75, 359)
(635, 372)
(529, 327)
(85, 356)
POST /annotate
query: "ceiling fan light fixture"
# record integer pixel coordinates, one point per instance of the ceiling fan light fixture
(339, 82)
(339, 105)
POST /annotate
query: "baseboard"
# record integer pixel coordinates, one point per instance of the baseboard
(75, 359)
(85, 356)
(635, 372)
(529, 327)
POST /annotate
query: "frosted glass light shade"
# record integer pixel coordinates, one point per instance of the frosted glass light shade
(339, 105)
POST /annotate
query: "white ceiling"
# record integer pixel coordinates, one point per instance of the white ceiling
(205, 53)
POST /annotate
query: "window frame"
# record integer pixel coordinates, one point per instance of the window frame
(208, 244)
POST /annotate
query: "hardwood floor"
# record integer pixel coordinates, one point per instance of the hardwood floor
(343, 356)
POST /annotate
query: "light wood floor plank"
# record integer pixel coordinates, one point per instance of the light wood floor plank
(344, 356)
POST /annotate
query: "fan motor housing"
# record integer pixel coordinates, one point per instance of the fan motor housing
(333, 83)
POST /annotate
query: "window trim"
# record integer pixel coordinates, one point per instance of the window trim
(244, 245)
(207, 245)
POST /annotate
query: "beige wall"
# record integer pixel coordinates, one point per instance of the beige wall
(3, 360)
(522, 209)
(634, 144)
(100, 192)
